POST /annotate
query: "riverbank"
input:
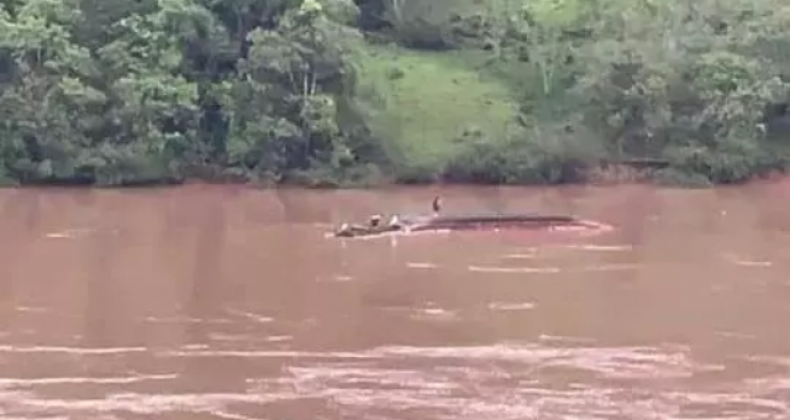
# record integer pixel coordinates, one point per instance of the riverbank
(647, 173)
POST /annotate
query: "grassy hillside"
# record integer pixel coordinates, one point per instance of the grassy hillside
(423, 102)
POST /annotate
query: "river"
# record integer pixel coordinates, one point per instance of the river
(218, 302)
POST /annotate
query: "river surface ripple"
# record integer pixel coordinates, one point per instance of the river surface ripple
(225, 303)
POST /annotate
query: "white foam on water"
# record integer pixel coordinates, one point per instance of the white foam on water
(600, 248)
(610, 267)
(746, 262)
(511, 306)
(435, 314)
(421, 265)
(261, 319)
(222, 414)
(71, 350)
(186, 320)
(136, 403)
(24, 383)
(30, 309)
(78, 233)
(518, 256)
(515, 270)
(279, 338)
(499, 381)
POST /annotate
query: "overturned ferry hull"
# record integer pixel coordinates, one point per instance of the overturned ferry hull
(467, 222)
(503, 221)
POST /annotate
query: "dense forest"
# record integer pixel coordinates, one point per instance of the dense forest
(336, 92)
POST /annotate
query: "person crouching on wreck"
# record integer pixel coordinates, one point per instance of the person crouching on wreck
(344, 230)
(395, 224)
(375, 221)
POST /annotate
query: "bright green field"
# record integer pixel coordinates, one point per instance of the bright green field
(434, 97)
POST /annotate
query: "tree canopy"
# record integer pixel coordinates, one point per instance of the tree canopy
(117, 92)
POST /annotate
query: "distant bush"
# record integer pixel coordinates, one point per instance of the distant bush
(553, 157)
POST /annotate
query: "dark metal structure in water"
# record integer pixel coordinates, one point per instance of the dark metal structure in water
(461, 222)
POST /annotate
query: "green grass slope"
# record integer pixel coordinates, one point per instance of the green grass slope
(421, 102)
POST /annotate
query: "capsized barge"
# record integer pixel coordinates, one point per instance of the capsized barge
(466, 222)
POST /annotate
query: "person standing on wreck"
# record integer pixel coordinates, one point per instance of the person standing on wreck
(437, 206)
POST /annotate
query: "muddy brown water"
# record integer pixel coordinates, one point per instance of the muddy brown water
(229, 303)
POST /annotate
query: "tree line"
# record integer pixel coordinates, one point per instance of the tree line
(115, 92)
